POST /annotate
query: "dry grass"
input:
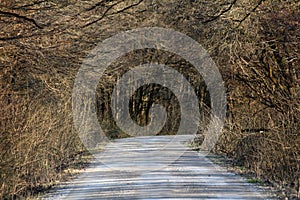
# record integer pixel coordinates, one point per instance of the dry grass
(37, 140)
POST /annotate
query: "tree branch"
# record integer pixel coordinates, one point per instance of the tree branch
(11, 14)
(249, 13)
(221, 13)
(128, 7)
(97, 5)
(108, 9)
(29, 5)
(104, 14)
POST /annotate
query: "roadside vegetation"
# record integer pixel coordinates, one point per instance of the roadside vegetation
(254, 43)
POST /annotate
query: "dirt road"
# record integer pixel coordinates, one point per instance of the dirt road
(155, 167)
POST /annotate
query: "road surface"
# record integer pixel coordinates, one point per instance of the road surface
(154, 167)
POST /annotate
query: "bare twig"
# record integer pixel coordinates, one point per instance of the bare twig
(213, 18)
(108, 9)
(249, 13)
(11, 14)
(103, 15)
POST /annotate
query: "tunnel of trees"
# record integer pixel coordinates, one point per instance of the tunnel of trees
(255, 44)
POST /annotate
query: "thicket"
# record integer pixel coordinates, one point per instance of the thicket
(42, 44)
